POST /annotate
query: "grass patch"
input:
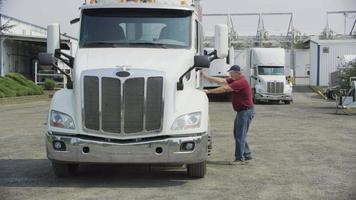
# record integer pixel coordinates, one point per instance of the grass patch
(14, 84)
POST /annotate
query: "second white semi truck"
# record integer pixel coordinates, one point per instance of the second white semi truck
(266, 68)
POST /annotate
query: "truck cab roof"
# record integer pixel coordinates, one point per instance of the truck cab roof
(139, 6)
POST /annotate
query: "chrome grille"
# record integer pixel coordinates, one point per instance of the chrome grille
(134, 105)
(111, 104)
(154, 102)
(275, 87)
(91, 102)
(126, 105)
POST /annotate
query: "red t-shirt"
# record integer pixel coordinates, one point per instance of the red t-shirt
(242, 94)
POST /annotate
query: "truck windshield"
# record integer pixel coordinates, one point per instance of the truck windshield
(270, 70)
(155, 28)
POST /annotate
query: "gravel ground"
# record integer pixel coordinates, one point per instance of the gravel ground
(301, 151)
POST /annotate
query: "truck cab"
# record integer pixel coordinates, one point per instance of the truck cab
(134, 95)
(267, 72)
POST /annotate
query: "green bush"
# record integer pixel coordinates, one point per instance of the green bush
(14, 84)
(12, 88)
(346, 74)
(49, 84)
(34, 89)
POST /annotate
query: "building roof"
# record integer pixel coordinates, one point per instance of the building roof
(22, 29)
(335, 40)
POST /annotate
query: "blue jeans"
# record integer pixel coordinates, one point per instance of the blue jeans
(241, 126)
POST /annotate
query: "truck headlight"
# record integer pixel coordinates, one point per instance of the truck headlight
(259, 90)
(188, 121)
(61, 120)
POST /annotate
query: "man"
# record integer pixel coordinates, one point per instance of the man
(243, 105)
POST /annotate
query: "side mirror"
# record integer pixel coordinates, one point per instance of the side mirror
(53, 38)
(45, 59)
(221, 40)
(201, 61)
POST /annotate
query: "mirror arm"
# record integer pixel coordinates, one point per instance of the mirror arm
(213, 55)
(74, 21)
(69, 61)
(69, 79)
(180, 85)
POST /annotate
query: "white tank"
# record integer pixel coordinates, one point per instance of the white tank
(53, 38)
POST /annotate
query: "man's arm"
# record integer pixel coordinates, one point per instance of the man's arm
(214, 79)
(223, 89)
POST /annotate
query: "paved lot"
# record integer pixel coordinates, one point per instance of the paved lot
(301, 151)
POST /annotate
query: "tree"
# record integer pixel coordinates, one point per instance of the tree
(6, 27)
(346, 74)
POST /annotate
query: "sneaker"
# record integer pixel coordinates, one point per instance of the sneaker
(248, 158)
(238, 162)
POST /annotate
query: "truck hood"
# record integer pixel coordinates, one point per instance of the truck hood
(172, 61)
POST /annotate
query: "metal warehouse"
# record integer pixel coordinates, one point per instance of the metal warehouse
(325, 56)
(20, 43)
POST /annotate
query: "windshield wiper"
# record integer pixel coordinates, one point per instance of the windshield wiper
(120, 44)
(159, 45)
(100, 44)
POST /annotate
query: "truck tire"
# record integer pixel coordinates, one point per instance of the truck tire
(197, 170)
(64, 170)
(287, 102)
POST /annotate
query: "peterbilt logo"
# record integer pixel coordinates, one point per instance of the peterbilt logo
(123, 74)
(123, 71)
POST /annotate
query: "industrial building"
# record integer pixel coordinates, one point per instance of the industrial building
(325, 55)
(20, 43)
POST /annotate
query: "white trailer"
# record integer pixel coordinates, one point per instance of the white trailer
(267, 71)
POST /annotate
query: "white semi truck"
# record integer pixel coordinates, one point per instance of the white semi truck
(134, 95)
(267, 71)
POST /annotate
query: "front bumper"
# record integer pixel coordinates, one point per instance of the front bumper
(102, 150)
(269, 97)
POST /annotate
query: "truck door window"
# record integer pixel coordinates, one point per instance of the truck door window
(136, 28)
(196, 38)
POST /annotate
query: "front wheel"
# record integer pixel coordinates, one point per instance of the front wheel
(287, 102)
(197, 170)
(64, 170)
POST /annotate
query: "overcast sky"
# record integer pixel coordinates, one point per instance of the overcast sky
(309, 15)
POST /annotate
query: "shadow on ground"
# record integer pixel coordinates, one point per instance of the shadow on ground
(38, 173)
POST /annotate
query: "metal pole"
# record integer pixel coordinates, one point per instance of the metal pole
(36, 68)
(290, 25)
(327, 26)
(345, 20)
(352, 29)
(1, 56)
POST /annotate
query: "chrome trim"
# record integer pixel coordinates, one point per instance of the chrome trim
(265, 96)
(144, 104)
(111, 73)
(122, 122)
(100, 105)
(132, 152)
